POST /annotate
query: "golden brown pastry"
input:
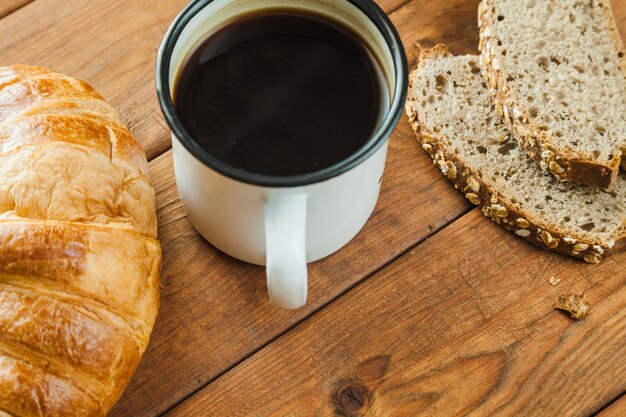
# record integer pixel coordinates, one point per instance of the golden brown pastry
(79, 259)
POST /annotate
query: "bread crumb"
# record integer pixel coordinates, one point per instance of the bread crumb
(574, 304)
(554, 280)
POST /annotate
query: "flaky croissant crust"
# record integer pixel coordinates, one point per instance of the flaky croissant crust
(79, 259)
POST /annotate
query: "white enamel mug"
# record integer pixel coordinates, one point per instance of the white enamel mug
(281, 222)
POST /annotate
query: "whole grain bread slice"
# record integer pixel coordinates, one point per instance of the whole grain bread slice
(556, 71)
(455, 119)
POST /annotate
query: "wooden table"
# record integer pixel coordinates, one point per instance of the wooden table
(432, 310)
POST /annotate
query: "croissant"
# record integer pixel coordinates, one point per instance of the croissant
(79, 259)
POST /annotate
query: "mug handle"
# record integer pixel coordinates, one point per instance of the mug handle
(285, 242)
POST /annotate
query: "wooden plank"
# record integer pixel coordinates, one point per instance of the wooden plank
(77, 37)
(464, 324)
(9, 6)
(390, 6)
(429, 23)
(615, 409)
(111, 44)
(210, 297)
(244, 322)
(214, 310)
(619, 9)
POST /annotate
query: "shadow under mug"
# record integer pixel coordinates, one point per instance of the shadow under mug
(282, 222)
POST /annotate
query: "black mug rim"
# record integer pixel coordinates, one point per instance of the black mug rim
(396, 48)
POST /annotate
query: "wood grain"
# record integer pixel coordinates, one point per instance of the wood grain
(9, 6)
(214, 310)
(619, 10)
(210, 297)
(429, 23)
(111, 44)
(390, 6)
(463, 325)
(615, 409)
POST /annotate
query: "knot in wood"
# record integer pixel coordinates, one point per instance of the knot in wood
(351, 399)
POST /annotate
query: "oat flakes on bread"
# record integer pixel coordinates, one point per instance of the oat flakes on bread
(556, 71)
(455, 119)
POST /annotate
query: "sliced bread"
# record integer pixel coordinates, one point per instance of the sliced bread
(455, 119)
(556, 71)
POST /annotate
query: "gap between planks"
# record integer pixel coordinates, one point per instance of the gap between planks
(333, 299)
(320, 308)
(313, 313)
(397, 6)
(395, 225)
(9, 6)
(163, 149)
(615, 408)
(514, 338)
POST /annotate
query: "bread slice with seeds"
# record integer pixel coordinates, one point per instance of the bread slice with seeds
(557, 73)
(455, 119)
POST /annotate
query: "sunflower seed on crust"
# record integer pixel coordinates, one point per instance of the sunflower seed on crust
(569, 240)
(549, 241)
(473, 198)
(473, 184)
(592, 258)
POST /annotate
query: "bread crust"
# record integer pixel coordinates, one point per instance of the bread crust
(52, 127)
(79, 259)
(563, 164)
(493, 204)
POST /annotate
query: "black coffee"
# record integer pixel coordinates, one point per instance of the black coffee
(281, 93)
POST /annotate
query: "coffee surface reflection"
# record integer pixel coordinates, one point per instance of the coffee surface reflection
(281, 93)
